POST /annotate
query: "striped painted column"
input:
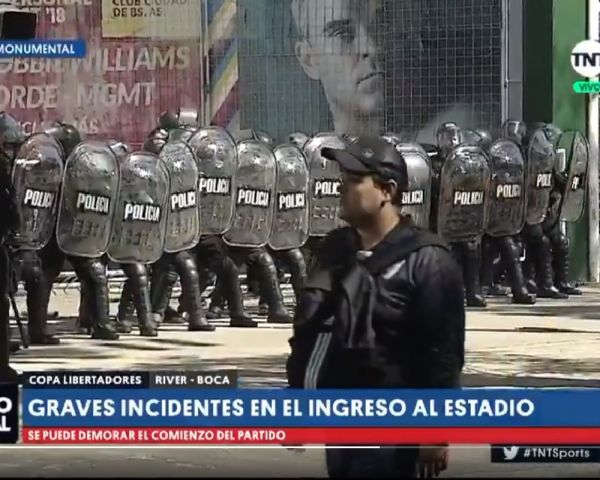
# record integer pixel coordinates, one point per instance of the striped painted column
(223, 70)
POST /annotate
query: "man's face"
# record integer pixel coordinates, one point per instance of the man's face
(340, 50)
(361, 198)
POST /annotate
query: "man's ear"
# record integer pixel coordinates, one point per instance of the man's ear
(305, 58)
(391, 189)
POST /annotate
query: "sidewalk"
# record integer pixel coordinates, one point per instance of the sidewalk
(554, 342)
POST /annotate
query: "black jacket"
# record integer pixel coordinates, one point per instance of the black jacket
(415, 308)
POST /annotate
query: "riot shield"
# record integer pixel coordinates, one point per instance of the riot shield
(540, 164)
(139, 228)
(182, 134)
(183, 221)
(577, 153)
(290, 222)
(254, 196)
(37, 175)
(325, 182)
(507, 194)
(464, 187)
(216, 155)
(88, 199)
(416, 201)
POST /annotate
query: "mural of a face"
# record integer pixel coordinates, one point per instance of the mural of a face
(339, 49)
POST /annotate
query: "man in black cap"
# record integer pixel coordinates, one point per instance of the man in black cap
(382, 308)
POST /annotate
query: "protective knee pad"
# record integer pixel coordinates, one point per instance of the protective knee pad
(137, 273)
(188, 267)
(545, 245)
(229, 268)
(510, 248)
(190, 282)
(97, 273)
(297, 266)
(266, 263)
(562, 243)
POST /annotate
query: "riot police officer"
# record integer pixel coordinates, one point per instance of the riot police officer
(37, 174)
(95, 304)
(468, 252)
(171, 265)
(258, 258)
(135, 295)
(559, 242)
(11, 136)
(541, 155)
(507, 212)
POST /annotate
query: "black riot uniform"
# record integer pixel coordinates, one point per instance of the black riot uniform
(172, 265)
(260, 260)
(135, 296)
(94, 307)
(11, 135)
(26, 264)
(506, 247)
(559, 242)
(468, 254)
(211, 254)
(538, 266)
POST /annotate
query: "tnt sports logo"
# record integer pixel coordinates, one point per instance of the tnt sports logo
(585, 58)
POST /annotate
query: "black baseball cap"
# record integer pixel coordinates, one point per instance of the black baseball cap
(371, 156)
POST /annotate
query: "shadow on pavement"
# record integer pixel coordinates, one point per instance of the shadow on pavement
(580, 312)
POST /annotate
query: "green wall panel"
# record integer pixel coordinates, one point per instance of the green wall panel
(551, 30)
(570, 27)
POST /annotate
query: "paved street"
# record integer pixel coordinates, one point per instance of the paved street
(554, 343)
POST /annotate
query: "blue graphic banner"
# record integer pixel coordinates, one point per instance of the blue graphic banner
(43, 48)
(320, 408)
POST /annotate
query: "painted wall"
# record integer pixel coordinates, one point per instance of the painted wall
(141, 60)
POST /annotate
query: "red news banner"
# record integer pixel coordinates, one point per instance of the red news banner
(305, 436)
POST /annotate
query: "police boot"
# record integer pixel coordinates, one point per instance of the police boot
(164, 278)
(37, 311)
(216, 309)
(14, 346)
(84, 320)
(37, 319)
(126, 308)
(297, 266)
(263, 304)
(545, 274)
(254, 287)
(229, 286)
(528, 268)
(173, 316)
(190, 286)
(561, 269)
(102, 327)
(488, 286)
(472, 263)
(510, 257)
(253, 281)
(269, 286)
(140, 291)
